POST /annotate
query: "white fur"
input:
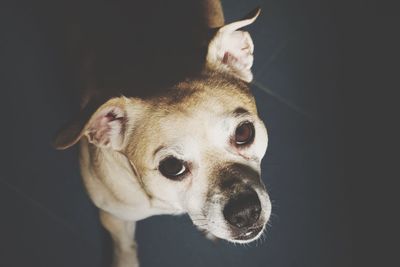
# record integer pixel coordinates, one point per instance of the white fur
(202, 138)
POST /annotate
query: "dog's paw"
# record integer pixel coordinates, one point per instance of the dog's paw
(125, 259)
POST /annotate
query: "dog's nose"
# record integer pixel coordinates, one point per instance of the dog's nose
(243, 210)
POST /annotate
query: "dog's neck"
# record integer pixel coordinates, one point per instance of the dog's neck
(112, 170)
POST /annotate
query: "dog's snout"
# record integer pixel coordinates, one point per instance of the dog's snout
(243, 210)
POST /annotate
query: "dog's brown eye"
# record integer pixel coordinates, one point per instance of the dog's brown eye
(244, 133)
(172, 168)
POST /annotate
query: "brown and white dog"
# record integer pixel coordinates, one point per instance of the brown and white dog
(191, 146)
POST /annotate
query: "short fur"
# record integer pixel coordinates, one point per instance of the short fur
(127, 125)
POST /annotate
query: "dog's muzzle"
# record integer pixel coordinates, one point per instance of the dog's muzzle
(243, 209)
(242, 212)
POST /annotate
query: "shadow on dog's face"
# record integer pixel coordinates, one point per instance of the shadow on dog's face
(197, 146)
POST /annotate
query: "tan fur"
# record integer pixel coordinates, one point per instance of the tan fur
(213, 13)
(122, 133)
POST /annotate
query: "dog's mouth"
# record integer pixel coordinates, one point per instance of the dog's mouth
(249, 234)
(240, 218)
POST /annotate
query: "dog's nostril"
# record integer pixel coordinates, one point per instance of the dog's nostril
(238, 220)
(255, 214)
(243, 210)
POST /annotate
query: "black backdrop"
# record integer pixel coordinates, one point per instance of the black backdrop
(46, 217)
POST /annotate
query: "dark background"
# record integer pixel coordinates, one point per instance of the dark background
(46, 218)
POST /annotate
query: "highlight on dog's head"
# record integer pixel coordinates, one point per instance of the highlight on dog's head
(231, 50)
(197, 147)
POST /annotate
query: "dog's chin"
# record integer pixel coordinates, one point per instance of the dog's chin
(248, 236)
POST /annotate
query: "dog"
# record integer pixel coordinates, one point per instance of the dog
(192, 145)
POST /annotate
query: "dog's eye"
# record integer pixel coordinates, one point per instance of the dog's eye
(172, 168)
(244, 134)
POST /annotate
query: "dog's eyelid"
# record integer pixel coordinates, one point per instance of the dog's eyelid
(158, 149)
(240, 115)
(242, 120)
(239, 112)
(164, 152)
(171, 155)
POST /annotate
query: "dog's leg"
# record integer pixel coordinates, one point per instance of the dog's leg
(122, 233)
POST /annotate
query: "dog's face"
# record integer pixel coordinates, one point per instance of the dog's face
(202, 155)
(198, 147)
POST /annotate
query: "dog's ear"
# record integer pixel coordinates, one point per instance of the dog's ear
(232, 50)
(104, 127)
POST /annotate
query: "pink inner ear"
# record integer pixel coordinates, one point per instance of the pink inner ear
(225, 59)
(236, 53)
(112, 116)
(105, 127)
(229, 58)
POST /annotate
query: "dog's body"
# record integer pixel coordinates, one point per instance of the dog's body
(191, 145)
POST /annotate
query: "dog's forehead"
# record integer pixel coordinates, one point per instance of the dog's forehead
(200, 103)
(210, 94)
(190, 112)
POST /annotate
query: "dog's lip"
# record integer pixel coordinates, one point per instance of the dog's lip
(250, 233)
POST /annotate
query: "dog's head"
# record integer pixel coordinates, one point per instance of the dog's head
(199, 145)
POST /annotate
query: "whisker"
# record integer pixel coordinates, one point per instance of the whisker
(204, 225)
